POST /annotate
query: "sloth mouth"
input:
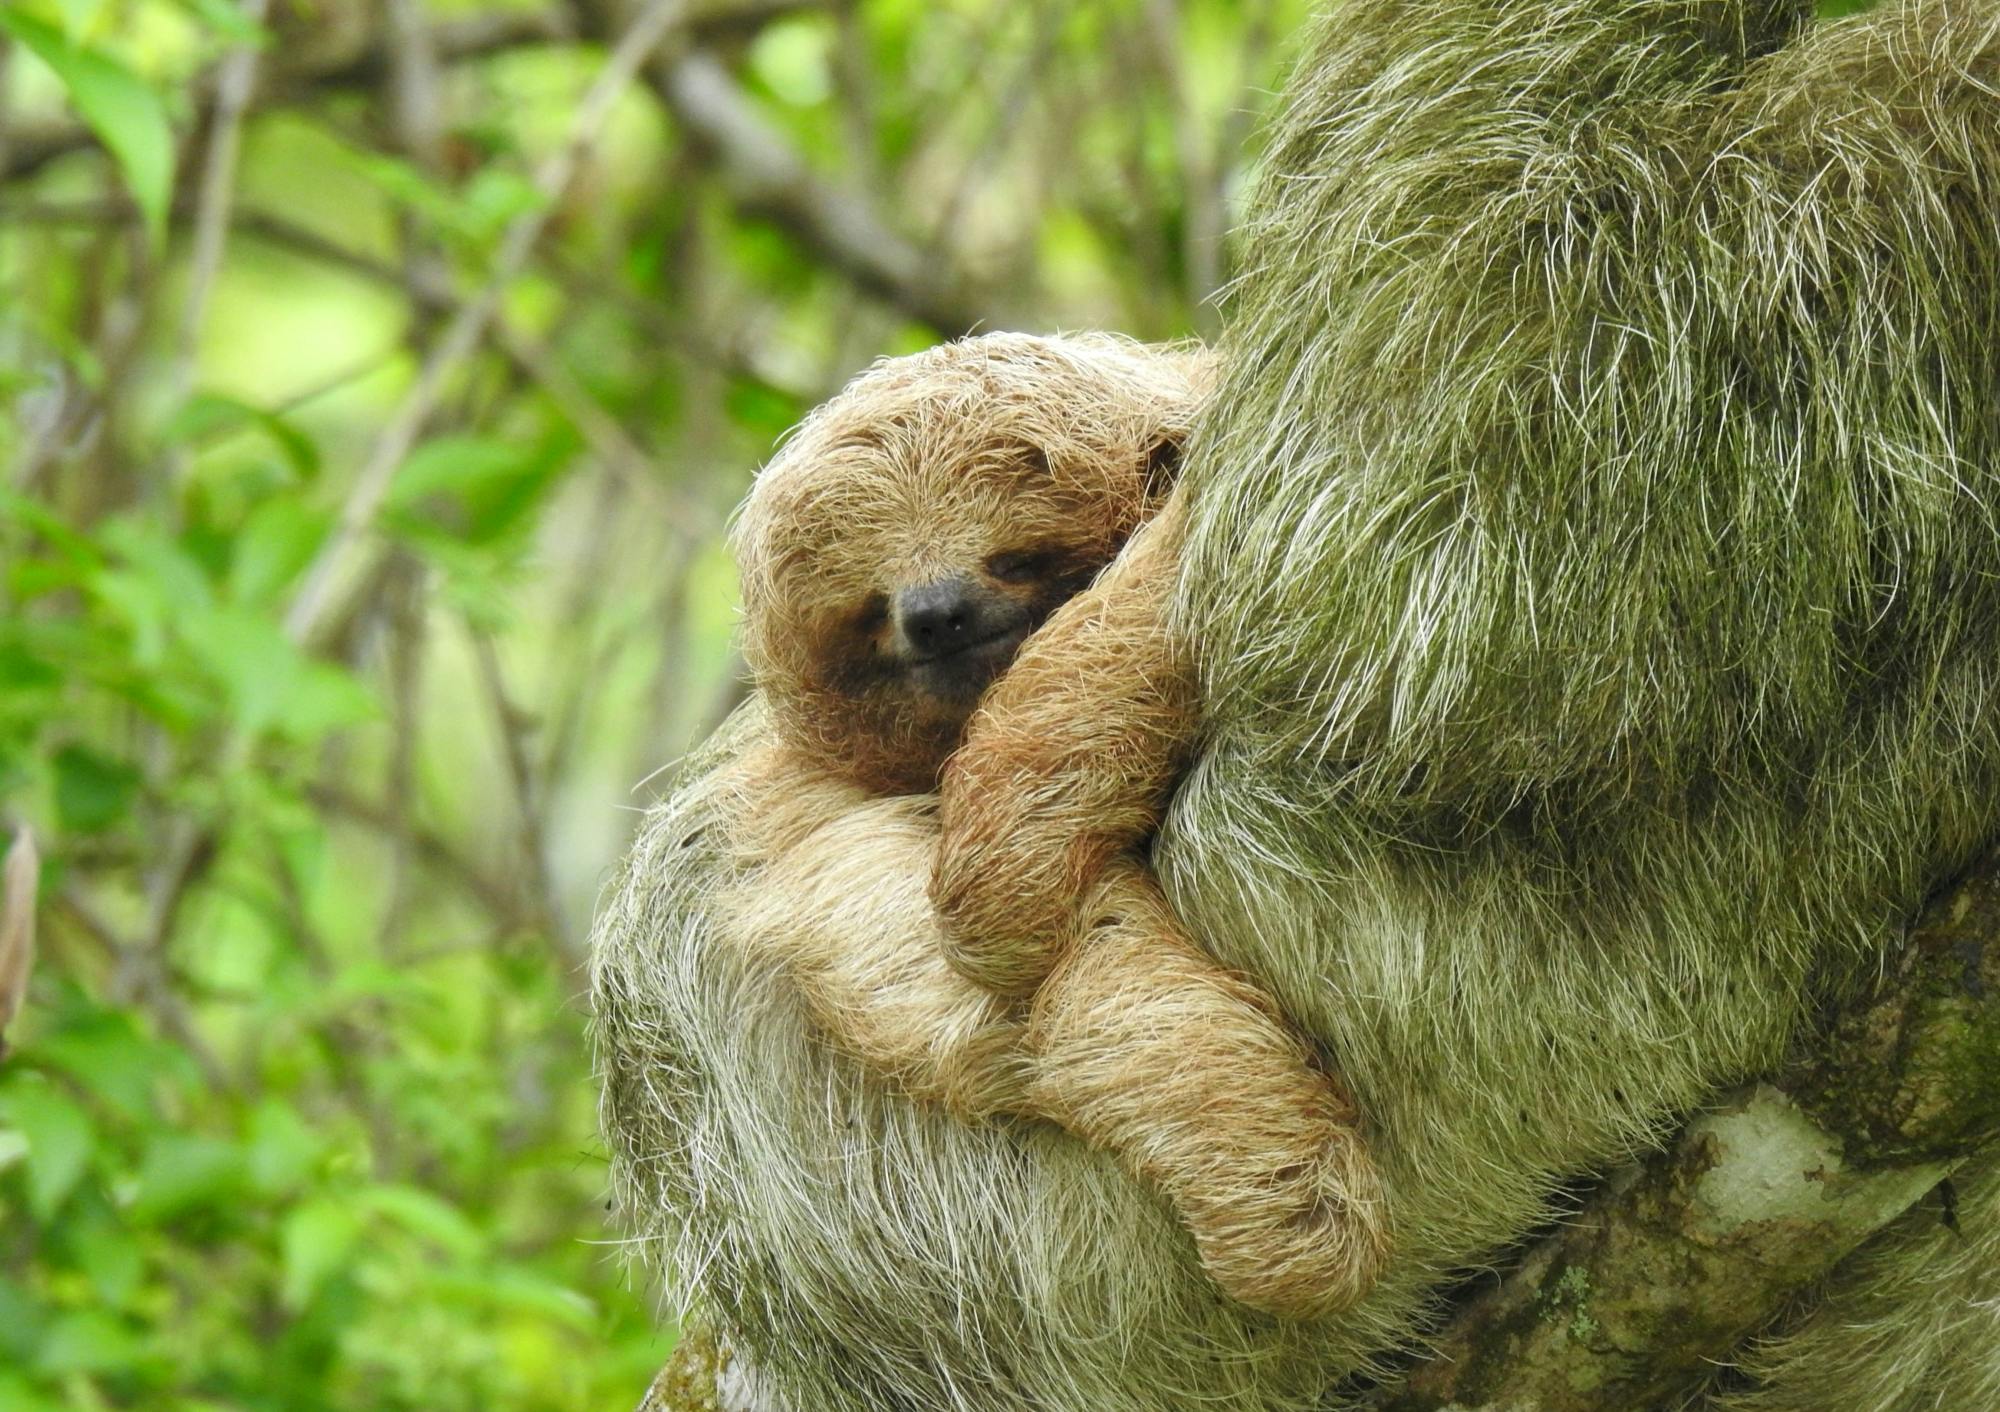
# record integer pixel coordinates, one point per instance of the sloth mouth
(966, 668)
(1006, 638)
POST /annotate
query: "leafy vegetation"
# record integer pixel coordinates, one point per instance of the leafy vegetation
(375, 411)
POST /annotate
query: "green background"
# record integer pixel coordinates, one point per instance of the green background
(300, 1114)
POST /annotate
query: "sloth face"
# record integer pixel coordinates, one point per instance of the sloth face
(921, 525)
(892, 612)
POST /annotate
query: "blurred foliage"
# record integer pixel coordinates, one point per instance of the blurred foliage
(299, 1114)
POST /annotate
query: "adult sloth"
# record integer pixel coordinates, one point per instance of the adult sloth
(1594, 576)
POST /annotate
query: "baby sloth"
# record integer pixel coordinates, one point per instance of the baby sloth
(911, 537)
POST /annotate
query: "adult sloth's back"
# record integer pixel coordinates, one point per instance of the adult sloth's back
(1596, 572)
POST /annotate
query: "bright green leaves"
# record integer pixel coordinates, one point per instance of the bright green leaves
(316, 1239)
(472, 217)
(468, 505)
(59, 1139)
(208, 415)
(270, 685)
(184, 638)
(476, 491)
(120, 107)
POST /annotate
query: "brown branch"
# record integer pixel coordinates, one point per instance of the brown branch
(768, 178)
(297, 72)
(233, 88)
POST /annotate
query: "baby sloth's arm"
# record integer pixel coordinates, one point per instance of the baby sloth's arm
(1067, 764)
(830, 891)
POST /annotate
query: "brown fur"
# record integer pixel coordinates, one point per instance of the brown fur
(972, 464)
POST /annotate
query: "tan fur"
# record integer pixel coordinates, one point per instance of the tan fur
(1120, 1029)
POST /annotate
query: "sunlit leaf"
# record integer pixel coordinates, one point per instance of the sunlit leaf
(208, 415)
(60, 1137)
(118, 105)
(514, 1288)
(423, 1214)
(316, 1240)
(227, 22)
(78, 17)
(182, 1172)
(271, 684)
(89, 1341)
(283, 1150)
(793, 59)
(273, 546)
(110, 1255)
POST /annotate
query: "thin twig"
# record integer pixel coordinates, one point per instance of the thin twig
(769, 178)
(143, 980)
(233, 88)
(314, 602)
(513, 727)
(20, 876)
(491, 896)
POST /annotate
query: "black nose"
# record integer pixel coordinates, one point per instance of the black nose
(938, 617)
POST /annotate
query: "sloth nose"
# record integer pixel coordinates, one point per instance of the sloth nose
(937, 617)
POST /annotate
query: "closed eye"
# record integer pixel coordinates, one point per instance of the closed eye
(1022, 566)
(873, 615)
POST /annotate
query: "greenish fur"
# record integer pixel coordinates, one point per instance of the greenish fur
(1597, 586)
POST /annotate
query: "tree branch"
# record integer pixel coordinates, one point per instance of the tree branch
(294, 72)
(768, 178)
(1678, 1259)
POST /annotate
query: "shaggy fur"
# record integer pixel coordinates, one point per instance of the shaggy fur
(916, 530)
(1594, 581)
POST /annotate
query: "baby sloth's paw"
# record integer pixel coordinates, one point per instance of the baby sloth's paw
(1296, 1227)
(1189, 1074)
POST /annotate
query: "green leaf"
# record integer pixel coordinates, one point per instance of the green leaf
(18, 1395)
(93, 791)
(423, 1214)
(274, 545)
(271, 684)
(183, 1173)
(227, 22)
(107, 1253)
(207, 415)
(517, 1289)
(316, 1240)
(124, 112)
(474, 490)
(792, 57)
(22, 1318)
(104, 1052)
(78, 16)
(89, 1341)
(283, 1150)
(321, 700)
(60, 1139)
